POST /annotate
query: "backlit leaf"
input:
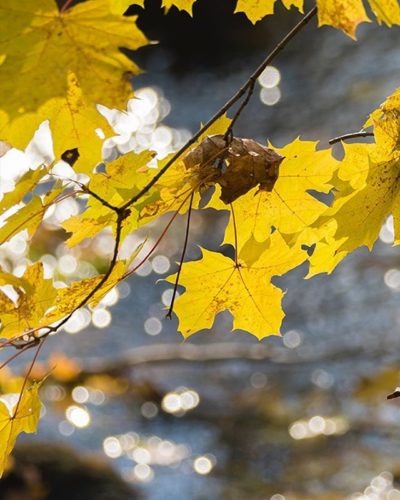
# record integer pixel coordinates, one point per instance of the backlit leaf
(73, 122)
(23, 417)
(31, 305)
(122, 179)
(215, 283)
(289, 207)
(257, 9)
(42, 46)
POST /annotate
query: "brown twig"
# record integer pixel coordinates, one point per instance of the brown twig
(104, 202)
(121, 217)
(171, 306)
(15, 355)
(352, 135)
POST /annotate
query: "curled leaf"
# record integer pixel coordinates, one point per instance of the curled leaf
(237, 165)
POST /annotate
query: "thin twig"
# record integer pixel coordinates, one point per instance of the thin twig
(235, 235)
(27, 376)
(228, 134)
(164, 231)
(104, 202)
(15, 355)
(121, 217)
(352, 135)
(171, 306)
(66, 6)
(233, 100)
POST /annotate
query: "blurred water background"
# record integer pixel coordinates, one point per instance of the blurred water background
(224, 416)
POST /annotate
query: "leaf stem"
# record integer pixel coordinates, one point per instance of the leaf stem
(171, 306)
(27, 376)
(235, 235)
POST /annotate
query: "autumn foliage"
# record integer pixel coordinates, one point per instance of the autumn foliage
(57, 65)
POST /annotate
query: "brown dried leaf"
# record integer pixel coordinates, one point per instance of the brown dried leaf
(237, 167)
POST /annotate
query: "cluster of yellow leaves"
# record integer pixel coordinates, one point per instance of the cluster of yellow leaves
(122, 179)
(267, 230)
(369, 192)
(40, 304)
(67, 61)
(342, 14)
(365, 187)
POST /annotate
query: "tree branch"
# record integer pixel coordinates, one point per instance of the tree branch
(247, 87)
(352, 135)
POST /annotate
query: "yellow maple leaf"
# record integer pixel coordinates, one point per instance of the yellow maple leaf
(120, 6)
(23, 417)
(257, 9)
(386, 120)
(122, 179)
(348, 14)
(15, 281)
(215, 283)
(69, 298)
(23, 186)
(345, 15)
(186, 5)
(28, 217)
(73, 122)
(386, 11)
(42, 45)
(370, 192)
(360, 213)
(342, 14)
(31, 305)
(95, 219)
(289, 207)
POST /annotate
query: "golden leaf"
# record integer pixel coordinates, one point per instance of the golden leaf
(23, 417)
(215, 283)
(73, 122)
(43, 45)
